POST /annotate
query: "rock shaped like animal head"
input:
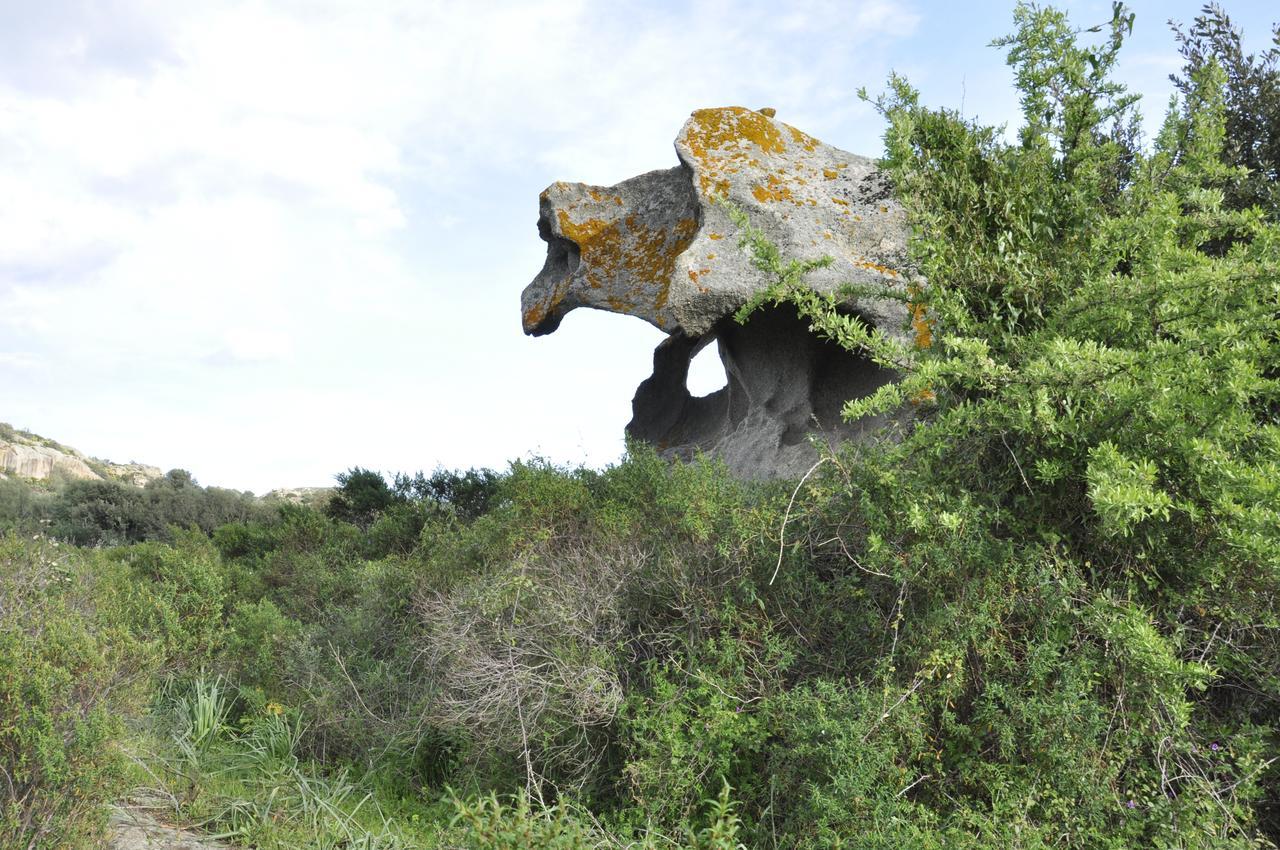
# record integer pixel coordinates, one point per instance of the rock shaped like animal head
(662, 247)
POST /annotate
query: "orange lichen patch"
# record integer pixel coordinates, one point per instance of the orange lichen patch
(806, 141)
(716, 136)
(776, 190)
(534, 316)
(830, 174)
(715, 129)
(586, 232)
(599, 241)
(628, 253)
(715, 235)
(538, 313)
(827, 235)
(875, 267)
(884, 209)
(664, 291)
(711, 256)
(921, 324)
(841, 201)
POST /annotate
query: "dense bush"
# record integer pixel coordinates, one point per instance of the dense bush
(107, 513)
(22, 507)
(1045, 616)
(72, 660)
(1251, 100)
(1075, 551)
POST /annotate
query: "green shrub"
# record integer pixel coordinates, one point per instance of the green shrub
(360, 497)
(488, 823)
(186, 591)
(693, 723)
(107, 513)
(469, 494)
(22, 506)
(69, 671)
(260, 644)
(1087, 502)
(566, 584)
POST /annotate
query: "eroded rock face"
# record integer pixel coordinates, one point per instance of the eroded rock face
(25, 455)
(784, 384)
(39, 462)
(661, 248)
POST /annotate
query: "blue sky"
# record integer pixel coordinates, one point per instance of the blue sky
(267, 241)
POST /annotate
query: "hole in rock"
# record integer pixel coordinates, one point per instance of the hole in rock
(706, 372)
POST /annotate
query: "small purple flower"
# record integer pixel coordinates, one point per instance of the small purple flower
(1214, 746)
(1131, 804)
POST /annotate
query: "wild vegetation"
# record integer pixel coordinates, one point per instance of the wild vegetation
(1044, 615)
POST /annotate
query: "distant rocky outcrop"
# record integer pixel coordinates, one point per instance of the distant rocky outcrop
(311, 497)
(661, 248)
(30, 456)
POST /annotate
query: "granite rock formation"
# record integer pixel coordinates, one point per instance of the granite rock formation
(29, 456)
(661, 248)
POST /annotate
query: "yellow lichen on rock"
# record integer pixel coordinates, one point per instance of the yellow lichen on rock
(631, 260)
(632, 243)
(775, 190)
(716, 129)
(803, 139)
(713, 134)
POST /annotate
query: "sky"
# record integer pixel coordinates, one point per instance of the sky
(269, 241)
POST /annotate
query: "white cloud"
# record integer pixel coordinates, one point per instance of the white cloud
(341, 195)
(19, 360)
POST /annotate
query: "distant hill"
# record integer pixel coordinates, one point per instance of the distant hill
(30, 456)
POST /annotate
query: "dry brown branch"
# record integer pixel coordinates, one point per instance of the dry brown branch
(525, 657)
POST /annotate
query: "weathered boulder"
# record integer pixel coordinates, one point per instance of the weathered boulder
(660, 247)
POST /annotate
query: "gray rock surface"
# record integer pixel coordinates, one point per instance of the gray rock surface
(784, 384)
(659, 247)
(133, 828)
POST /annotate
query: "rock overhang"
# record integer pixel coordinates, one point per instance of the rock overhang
(662, 247)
